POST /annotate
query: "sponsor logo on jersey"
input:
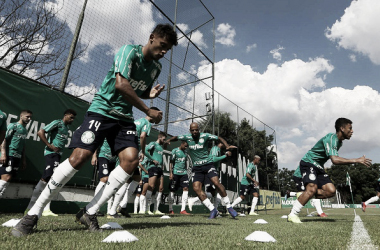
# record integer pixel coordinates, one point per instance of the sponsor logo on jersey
(196, 146)
(200, 162)
(88, 137)
(140, 85)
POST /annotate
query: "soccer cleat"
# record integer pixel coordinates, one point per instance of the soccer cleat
(90, 221)
(113, 216)
(149, 212)
(158, 212)
(171, 212)
(294, 218)
(322, 215)
(184, 212)
(25, 226)
(232, 212)
(190, 203)
(253, 213)
(123, 211)
(48, 213)
(214, 213)
(364, 206)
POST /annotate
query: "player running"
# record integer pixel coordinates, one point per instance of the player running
(134, 70)
(317, 182)
(203, 166)
(58, 134)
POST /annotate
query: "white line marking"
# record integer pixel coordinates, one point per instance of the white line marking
(359, 237)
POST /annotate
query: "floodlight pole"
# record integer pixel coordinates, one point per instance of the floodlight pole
(72, 49)
(166, 123)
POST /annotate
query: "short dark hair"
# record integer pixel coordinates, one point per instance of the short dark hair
(166, 31)
(155, 108)
(70, 111)
(161, 134)
(26, 111)
(341, 122)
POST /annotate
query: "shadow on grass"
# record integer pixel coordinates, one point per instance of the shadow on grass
(162, 224)
(319, 220)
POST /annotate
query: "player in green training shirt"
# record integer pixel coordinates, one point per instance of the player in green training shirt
(154, 152)
(58, 133)
(13, 149)
(317, 182)
(249, 185)
(3, 128)
(178, 177)
(134, 70)
(203, 166)
(210, 189)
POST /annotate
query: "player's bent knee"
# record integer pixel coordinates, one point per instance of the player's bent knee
(79, 157)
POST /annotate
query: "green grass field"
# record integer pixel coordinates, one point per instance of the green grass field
(196, 232)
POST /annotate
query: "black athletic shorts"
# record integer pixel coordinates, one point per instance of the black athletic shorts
(138, 189)
(247, 190)
(299, 183)
(105, 167)
(11, 167)
(96, 127)
(313, 174)
(178, 181)
(200, 173)
(155, 171)
(51, 162)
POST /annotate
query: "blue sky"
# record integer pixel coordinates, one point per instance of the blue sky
(324, 51)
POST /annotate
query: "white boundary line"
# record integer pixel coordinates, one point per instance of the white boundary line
(359, 237)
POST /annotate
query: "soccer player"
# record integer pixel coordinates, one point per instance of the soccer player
(203, 166)
(374, 198)
(178, 177)
(248, 185)
(210, 189)
(134, 70)
(154, 153)
(145, 185)
(317, 182)
(297, 177)
(143, 127)
(105, 162)
(13, 150)
(3, 128)
(58, 133)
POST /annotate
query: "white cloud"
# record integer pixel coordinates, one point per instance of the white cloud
(276, 53)
(358, 29)
(293, 98)
(99, 26)
(83, 92)
(251, 47)
(352, 57)
(195, 36)
(225, 34)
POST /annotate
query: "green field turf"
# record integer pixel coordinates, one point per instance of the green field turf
(196, 232)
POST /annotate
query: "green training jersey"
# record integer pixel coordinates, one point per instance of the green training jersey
(15, 138)
(142, 125)
(144, 163)
(105, 152)
(297, 173)
(198, 149)
(216, 156)
(179, 161)
(129, 62)
(154, 152)
(3, 122)
(322, 150)
(58, 133)
(251, 170)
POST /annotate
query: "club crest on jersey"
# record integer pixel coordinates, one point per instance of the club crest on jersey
(88, 137)
(8, 169)
(201, 140)
(312, 177)
(105, 171)
(153, 74)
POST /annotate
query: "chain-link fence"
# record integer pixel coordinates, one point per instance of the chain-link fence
(102, 27)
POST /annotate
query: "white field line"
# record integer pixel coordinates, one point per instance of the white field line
(359, 237)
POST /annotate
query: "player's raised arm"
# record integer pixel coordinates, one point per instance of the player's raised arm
(337, 160)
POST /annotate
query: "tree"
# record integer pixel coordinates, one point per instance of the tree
(33, 40)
